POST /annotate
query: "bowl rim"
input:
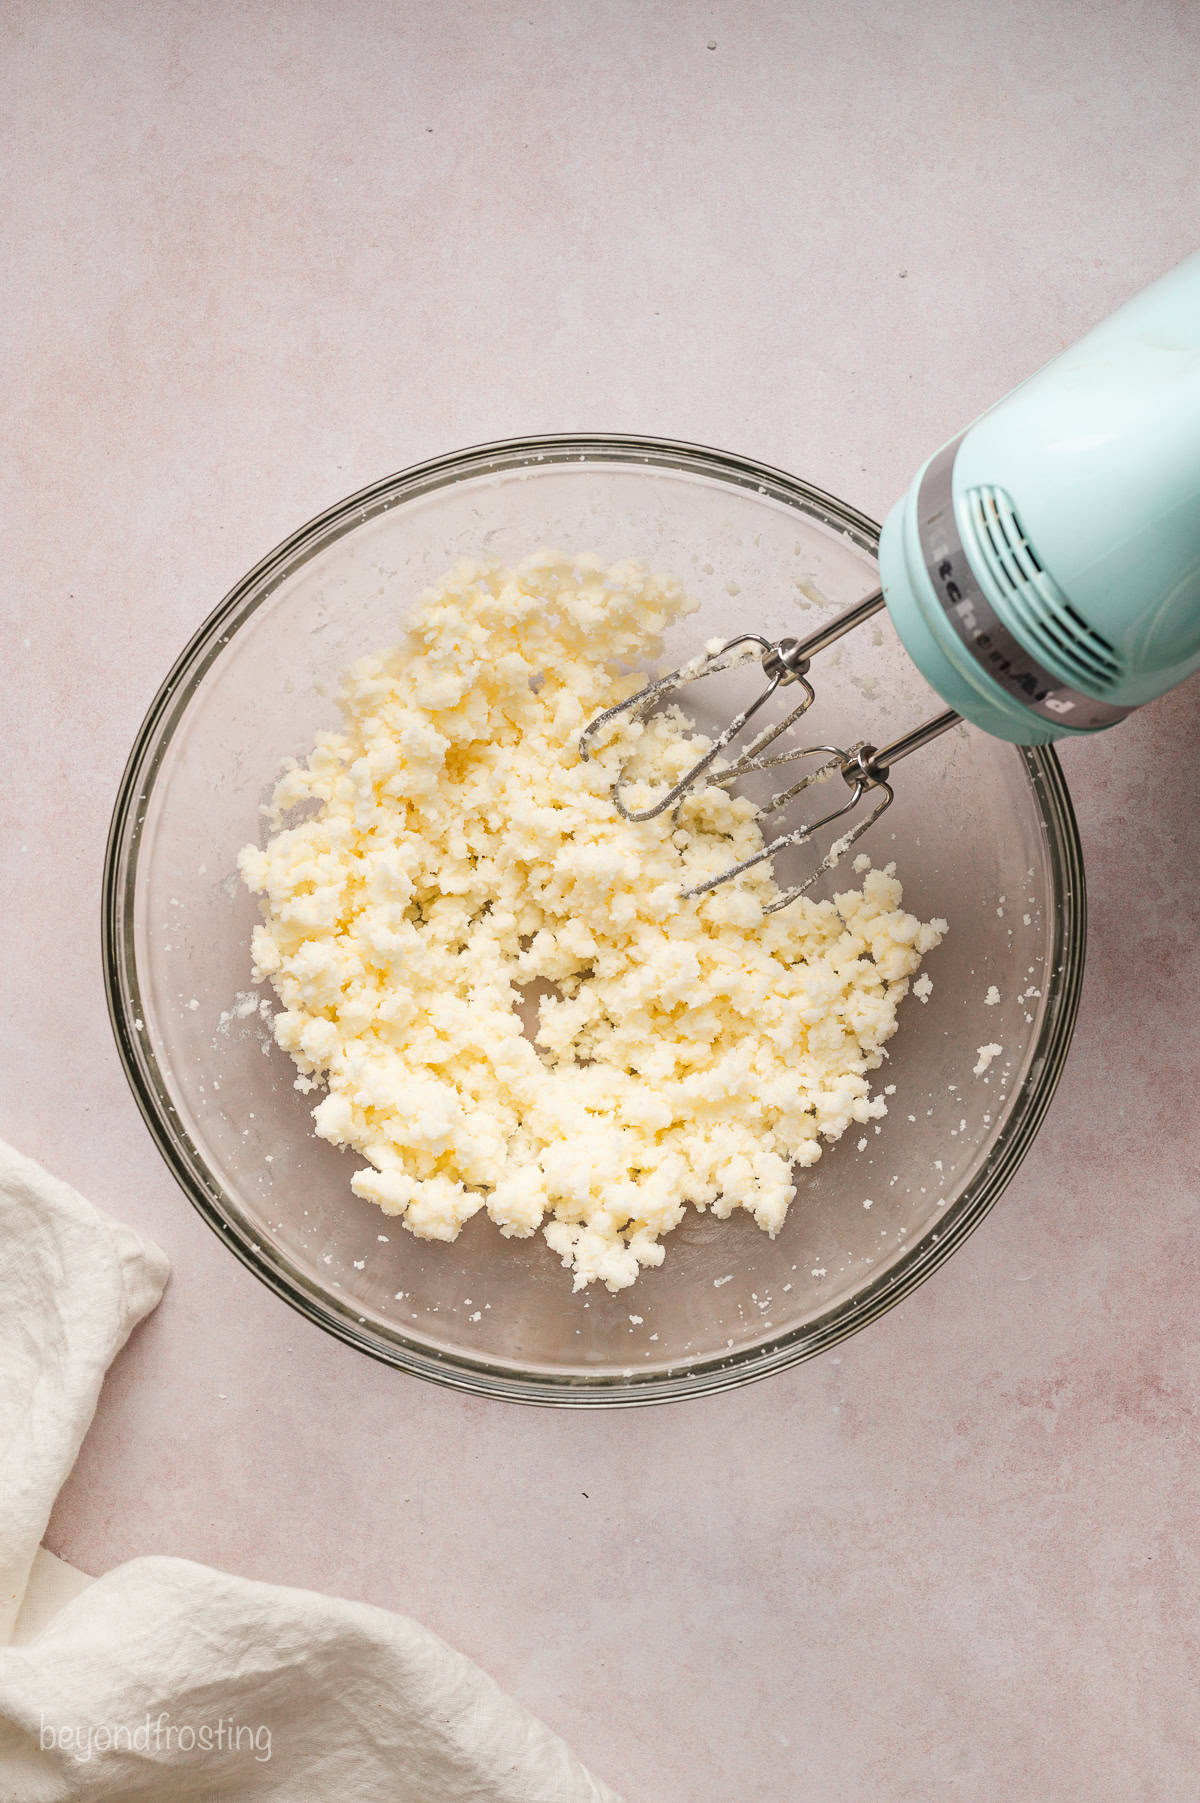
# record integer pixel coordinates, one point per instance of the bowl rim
(482, 1377)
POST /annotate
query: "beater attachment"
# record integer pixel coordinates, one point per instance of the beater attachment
(780, 667)
(864, 769)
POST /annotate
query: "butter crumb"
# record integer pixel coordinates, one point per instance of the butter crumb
(457, 850)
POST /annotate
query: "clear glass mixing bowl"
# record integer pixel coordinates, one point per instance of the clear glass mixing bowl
(982, 833)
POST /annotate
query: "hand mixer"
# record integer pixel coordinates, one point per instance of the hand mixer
(1042, 571)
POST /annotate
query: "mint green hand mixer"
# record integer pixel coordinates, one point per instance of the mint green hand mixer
(1042, 571)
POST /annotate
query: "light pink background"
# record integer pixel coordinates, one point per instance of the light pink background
(259, 255)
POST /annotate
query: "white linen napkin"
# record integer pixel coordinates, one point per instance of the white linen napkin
(169, 1679)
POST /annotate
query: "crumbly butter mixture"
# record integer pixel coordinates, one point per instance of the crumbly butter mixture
(687, 1052)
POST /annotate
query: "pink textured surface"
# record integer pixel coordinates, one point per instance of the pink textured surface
(258, 256)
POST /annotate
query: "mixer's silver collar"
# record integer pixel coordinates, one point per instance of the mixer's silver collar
(786, 660)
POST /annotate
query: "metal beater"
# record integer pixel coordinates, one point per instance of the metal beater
(1042, 570)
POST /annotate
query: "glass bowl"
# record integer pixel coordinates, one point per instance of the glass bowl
(982, 833)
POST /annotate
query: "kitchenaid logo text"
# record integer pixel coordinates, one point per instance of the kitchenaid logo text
(157, 1735)
(962, 606)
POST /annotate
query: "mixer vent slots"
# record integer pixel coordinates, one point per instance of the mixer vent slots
(1047, 621)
